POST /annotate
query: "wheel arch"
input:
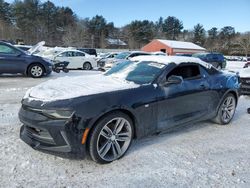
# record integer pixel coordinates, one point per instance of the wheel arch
(92, 125)
(233, 92)
(123, 110)
(88, 63)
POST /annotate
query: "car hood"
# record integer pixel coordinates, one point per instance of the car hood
(36, 47)
(72, 87)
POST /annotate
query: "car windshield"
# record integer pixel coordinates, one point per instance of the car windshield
(138, 72)
(122, 55)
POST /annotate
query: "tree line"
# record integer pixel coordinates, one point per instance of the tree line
(32, 21)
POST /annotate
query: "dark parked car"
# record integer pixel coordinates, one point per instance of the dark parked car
(90, 51)
(216, 59)
(101, 114)
(14, 60)
(247, 63)
(186, 55)
(245, 81)
(124, 56)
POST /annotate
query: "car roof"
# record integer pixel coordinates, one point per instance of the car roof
(72, 50)
(132, 52)
(171, 59)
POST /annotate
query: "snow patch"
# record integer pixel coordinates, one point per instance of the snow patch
(181, 44)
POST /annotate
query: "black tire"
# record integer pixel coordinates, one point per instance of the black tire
(220, 118)
(57, 70)
(248, 110)
(97, 139)
(36, 70)
(87, 66)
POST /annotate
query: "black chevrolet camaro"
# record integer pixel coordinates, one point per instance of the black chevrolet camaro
(100, 114)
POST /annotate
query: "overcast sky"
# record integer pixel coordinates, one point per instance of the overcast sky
(210, 13)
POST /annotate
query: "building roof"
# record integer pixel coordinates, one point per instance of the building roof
(180, 44)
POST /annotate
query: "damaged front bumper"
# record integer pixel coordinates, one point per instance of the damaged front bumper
(51, 135)
(245, 86)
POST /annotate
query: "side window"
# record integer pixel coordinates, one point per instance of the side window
(7, 50)
(71, 54)
(133, 55)
(79, 54)
(187, 72)
(64, 54)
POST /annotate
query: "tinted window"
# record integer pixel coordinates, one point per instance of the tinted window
(201, 56)
(137, 54)
(186, 72)
(140, 73)
(7, 50)
(79, 54)
(89, 51)
(122, 55)
(64, 54)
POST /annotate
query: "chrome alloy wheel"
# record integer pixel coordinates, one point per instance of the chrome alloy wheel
(228, 109)
(36, 71)
(114, 139)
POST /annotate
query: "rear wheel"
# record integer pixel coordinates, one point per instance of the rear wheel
(36, 70)
(111, 138)
(87, 66)
(226, 110)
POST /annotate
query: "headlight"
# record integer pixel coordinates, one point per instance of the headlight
(58, 114)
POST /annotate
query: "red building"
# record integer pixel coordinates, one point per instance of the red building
(172, 47)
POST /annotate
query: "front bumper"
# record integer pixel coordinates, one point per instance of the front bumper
(48, 69)
(58, 137)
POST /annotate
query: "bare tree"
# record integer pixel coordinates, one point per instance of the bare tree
(243, 43)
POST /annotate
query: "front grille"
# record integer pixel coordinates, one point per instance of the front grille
(245, 81)
(39, 135)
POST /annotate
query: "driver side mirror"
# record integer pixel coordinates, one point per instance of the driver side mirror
(174, 79)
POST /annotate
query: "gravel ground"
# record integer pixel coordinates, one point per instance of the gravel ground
(200, 155)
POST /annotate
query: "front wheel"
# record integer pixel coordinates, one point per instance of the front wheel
(111, 138)
(36, 70)
(87, 66)
(226, 110)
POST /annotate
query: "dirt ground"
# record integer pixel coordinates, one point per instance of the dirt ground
(200, 155)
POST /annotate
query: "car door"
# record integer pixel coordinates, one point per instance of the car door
(11, 60)
(186, 101)
(66, 56)
(79, 59)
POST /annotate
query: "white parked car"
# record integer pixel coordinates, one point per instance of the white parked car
(124, 56)
(76, 59)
